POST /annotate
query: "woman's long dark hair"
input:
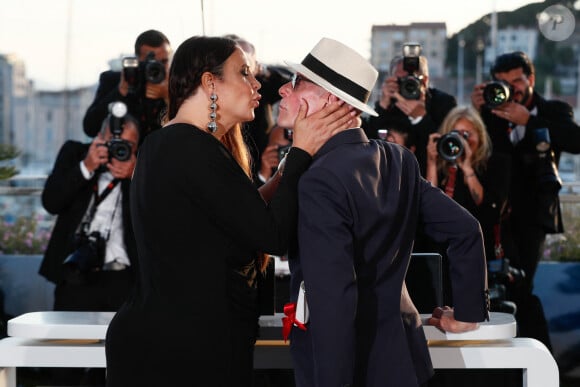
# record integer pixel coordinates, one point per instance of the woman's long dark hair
(194, 57)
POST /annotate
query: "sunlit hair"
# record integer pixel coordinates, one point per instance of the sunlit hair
(192, 59)
(483, 152)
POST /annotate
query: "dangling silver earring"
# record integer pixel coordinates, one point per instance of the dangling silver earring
(212, 125)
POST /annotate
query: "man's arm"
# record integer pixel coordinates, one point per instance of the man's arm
(446, 221)
(558, 117)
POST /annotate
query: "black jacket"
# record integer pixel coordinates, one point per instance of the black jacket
(529, 199)
(67, 194)
(147, 111)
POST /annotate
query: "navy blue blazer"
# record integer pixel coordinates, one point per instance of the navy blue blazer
(359, 204)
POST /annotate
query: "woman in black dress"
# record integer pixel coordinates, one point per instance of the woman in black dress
(200, 225)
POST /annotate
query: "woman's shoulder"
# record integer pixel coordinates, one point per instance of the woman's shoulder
(179, 135)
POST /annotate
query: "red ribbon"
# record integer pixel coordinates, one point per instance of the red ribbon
(289, 320)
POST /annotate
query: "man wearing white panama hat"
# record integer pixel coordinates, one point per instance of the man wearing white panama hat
(359, 203)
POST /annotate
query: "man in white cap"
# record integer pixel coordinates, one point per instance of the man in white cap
(359, 204)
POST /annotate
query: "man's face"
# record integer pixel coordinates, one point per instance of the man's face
(162, 54)
(292, 93)
(521, 83)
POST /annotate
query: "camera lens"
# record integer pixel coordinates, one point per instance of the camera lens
(410, 87)
(496, 94)
(450, 146)
(154, 72)
(120, 149)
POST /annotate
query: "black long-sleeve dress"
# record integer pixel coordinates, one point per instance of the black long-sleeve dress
(199, 222)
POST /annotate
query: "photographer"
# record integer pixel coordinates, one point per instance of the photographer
(422, 110)
(514, 118)
(141, 85)
(91, 255)
(89, 191)
(460, 162)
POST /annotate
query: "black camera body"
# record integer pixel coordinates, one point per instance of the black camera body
(89, 253)
(503, 278)
(450, 145)
(496, 93)
(410, 85)
(138, 73)
(118, 148)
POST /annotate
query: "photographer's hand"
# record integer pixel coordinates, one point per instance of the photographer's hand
(477, 96)
(432, 156)
(470, 179)
(388, 90)
(513, 112)
(97, 154)
(122, 169)
(157, 90)
(123, 85)
(269, 161)
(413, 108)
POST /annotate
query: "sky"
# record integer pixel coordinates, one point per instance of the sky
(68, 43)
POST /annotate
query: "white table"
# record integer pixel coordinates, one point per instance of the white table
(76, 339)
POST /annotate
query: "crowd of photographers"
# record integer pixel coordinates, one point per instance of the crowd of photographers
(498, 158)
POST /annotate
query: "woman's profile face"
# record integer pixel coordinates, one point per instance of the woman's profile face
(237, 91)
(465, 127)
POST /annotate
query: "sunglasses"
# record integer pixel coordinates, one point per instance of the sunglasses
(296, 79)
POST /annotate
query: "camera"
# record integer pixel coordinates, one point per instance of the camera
(410, 85)
(118, 148)
(497, 93)
(502, 278)
(450, 145)
(89, 254)
(137, 73)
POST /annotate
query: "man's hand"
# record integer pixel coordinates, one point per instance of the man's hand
(269, 160)
(513, 112)
(477, 96)
(157, 90)
(413, 108)
(389, 87)
(444, 319)
(122, 169)
(97, 154)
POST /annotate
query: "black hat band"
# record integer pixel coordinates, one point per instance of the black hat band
(337, 80)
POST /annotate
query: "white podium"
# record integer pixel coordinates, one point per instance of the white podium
(76, 339)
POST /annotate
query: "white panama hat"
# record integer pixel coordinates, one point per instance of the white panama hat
(341, 71)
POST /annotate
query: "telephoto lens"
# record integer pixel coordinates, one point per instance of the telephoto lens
(450, 146)
(496, 93)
